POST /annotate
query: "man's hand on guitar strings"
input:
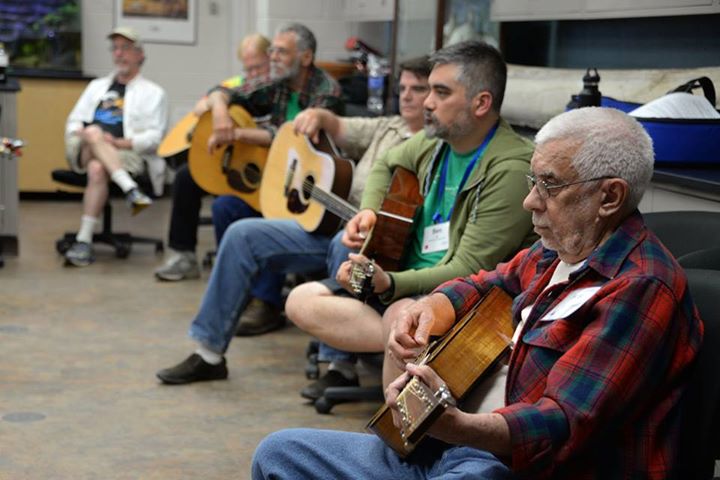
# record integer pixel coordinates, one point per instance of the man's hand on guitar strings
(409, 333)
(358, 227)
(222, 129)
(309, 122)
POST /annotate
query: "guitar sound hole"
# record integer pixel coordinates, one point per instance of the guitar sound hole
(294, 203)
(246, 181)
(308, 186)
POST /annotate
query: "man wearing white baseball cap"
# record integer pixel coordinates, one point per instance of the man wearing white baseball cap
(112, 134)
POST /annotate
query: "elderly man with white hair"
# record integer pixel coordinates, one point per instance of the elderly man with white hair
(111, 134)
(606, 333)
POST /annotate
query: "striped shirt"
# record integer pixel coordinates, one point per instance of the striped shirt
(596, 393)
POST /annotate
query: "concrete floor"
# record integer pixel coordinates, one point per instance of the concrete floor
(80, 347)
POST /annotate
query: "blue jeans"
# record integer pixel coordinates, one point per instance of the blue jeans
(226, 209)
(326, 454)
(251, 246)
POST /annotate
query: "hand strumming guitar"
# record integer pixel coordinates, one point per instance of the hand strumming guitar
(311, 120)
(222, 122)
(357, 229)
(413, 326)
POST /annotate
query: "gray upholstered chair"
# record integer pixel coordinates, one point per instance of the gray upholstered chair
(684, 232)
(700, 442)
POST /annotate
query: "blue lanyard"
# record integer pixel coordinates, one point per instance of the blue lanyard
(437, 216)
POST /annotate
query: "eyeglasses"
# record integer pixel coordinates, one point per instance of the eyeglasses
(279, 50)
(546, 189)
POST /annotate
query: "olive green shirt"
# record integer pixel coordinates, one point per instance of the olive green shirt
(488, 224)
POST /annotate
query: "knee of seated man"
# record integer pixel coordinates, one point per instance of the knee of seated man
(271, 449)
(96, 171)
(298, 306)
(93, 134)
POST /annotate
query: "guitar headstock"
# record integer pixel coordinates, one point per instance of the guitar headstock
(361, 279)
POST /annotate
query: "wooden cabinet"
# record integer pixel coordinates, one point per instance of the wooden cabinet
(43, 105)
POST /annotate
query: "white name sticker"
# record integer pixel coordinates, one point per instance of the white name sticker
(572, 302)
(436, 238)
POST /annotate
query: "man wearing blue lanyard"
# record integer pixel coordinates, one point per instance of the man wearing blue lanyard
(471, 168)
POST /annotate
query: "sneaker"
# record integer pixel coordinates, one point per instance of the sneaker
(332, 378)
(179, 266)
(258, 318)
(137, 200)
(80, 254)
(193, 369)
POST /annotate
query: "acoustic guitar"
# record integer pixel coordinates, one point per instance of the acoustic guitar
(233, 169)
(298, 172)
(462, 357)
(178, 138)
(391, 234)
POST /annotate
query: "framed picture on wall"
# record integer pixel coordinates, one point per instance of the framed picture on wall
(159, 21)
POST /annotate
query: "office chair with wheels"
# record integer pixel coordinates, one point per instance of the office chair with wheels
(336, 395)
(121, 242)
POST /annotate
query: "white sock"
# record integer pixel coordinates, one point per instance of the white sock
(123, 180)
(209, 356)
(87, 227)
(346, 368)
(174, 254)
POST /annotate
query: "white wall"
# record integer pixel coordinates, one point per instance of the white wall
(188, 71)
(185, 71)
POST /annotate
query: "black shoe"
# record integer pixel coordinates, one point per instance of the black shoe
(332, 378)
(193, 369)
(258, 318)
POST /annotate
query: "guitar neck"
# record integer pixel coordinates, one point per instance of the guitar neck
(333, 203)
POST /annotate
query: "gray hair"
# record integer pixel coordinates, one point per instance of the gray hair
(612, 144)
(481, 68)
(304, 38)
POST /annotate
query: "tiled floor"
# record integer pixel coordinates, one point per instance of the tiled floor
(79, 349)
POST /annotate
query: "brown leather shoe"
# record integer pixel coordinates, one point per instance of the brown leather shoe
(258, 318)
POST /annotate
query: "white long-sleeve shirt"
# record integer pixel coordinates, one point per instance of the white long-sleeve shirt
(145, 114)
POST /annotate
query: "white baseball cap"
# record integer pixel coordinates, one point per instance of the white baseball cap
(125, 32)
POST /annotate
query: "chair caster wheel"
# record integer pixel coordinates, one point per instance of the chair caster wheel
(62, 246)
(122, 251)
(323, 405)
(312, 371)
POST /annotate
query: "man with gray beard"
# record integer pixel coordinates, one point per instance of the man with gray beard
(471, 168)
(295, 84)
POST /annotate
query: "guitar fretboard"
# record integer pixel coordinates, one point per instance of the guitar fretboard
(330, 201)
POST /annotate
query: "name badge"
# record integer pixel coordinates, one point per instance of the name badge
(572, 302)
(436, 238)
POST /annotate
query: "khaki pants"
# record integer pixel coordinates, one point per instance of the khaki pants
(131, 161)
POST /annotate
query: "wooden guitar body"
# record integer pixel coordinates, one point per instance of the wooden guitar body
(298, 172)
(179, 137)
(391, 233)
(234, 169)
(461, 358)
